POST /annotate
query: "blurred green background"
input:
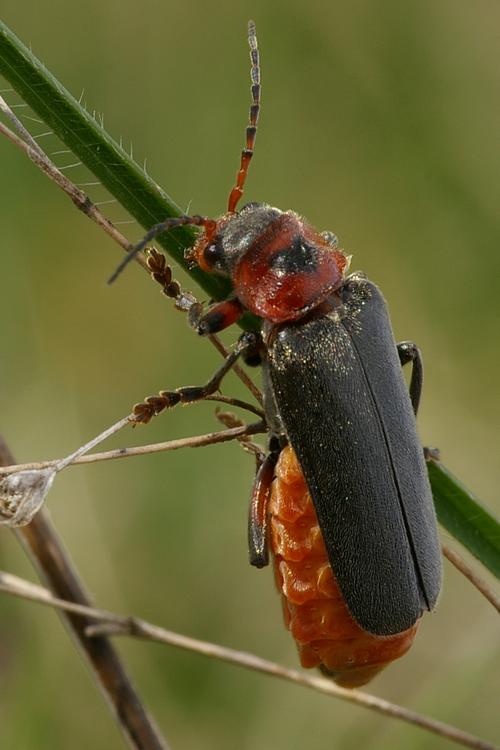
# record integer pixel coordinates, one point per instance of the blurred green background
(380, 122)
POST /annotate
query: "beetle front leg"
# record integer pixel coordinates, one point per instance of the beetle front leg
(409, 352)
(153, 405)
(219, 316)
(258, 511)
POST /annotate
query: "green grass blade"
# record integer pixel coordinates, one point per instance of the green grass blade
(105, 158)
(465, 518)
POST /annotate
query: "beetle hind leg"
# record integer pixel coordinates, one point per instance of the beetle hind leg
(258, 515)
(409, 352)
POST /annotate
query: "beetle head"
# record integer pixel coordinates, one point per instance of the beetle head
(220, 251)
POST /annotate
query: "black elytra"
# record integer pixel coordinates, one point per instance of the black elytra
(334, 382)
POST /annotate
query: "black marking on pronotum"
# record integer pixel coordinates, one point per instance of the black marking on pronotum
(299, 257)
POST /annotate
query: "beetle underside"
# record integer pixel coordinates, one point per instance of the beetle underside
(314, 609)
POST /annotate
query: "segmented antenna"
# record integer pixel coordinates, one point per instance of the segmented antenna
(247, 153)
(209, 225)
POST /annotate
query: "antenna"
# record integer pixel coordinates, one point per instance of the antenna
(209, 225)
(247, 153)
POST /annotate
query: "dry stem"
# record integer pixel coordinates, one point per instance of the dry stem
(47, 552)
(476, 580)
(110, 623)
(197, 441)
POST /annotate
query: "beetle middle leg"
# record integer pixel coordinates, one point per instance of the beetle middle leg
(153, 405)
(409, 352)
(258, 515)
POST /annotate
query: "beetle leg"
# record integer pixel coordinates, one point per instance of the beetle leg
(219, 316)
(258, 512)
(153, 405)
(431, 454)
(409, 352)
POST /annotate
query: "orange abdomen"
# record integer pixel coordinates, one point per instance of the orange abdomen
(313, 606)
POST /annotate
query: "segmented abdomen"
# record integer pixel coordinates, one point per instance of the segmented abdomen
(313, 606)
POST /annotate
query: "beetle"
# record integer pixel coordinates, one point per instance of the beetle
(342, 498)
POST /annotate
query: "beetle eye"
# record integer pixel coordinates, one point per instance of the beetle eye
(211, 255)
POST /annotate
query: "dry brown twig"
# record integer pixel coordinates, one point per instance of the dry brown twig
(196, 441)
(49, 557)
(480, 584)
(110, 623)
(33, 151)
